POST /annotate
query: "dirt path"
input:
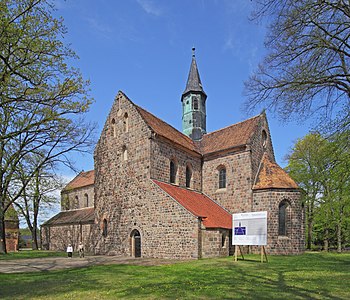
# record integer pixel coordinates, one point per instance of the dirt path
(59, 263)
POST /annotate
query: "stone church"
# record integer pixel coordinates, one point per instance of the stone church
(158, 192)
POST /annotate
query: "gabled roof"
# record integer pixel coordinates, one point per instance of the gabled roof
(163, 129)
(194, 83)
(235, 135)
(81, 180)
(271, 175)
(76, 216)
(214, 216)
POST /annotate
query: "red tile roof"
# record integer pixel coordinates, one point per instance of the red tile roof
(229, 137)
(163, 129)
(81, 180)
(235, 135)
(76, 216)
(214, 216)
(272, 175)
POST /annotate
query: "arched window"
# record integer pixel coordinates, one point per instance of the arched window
(114, 129)
(76, 202)
(188, 175)
(125, 153)
(283, 217)
(264, 138)
(223, 240)
(104, 228)
(86, 200)
(222, 178)
(173, 171)
(126, 122)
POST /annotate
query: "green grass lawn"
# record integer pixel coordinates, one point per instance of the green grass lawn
(309, 276)
(31, 254)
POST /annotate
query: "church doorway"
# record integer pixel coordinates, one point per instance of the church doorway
(136, 243)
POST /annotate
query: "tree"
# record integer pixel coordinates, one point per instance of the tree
(306, 166)
(321, 168)
(307, 68)
(36, 196)
(42, 99)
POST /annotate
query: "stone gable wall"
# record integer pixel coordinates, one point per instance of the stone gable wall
(257, 148)
(269, 200)
(127, 198)
(114, 174)
(237, 195)
(85, 194)
(162, 153)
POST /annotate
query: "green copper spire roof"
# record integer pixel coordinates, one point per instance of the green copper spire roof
(194, 83)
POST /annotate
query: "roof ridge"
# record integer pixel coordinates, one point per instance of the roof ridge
(172, 127)
(228, 126)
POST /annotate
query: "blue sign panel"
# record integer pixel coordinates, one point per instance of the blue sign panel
(240, 231)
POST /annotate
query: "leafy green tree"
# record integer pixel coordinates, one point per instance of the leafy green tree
(306, 164)
(42, 99)
(306, 71)
(38, 195)
(321, 168)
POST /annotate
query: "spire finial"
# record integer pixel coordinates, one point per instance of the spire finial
(193, 51)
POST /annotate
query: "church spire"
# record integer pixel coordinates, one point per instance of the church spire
(194, 83)
(193, 104)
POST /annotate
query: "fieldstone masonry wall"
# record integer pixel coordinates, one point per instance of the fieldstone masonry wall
(161, 154)
(237, 195)
(129, 200)
(215, 242)
(57, 238)
(77, 198)
(269, 200)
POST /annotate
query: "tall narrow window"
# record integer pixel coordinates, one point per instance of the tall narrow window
(195, 103)
(222, 178)
(86, 200)
(76, 202)
(104, 228)
(283, 218)
(114, 128)
(188, 176)
(173, 170)
(125, 153)
(126, 122)
(264, 138)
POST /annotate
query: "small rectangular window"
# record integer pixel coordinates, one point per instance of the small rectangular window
(195, 103)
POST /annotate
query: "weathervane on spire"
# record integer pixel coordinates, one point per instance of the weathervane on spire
(193, 51)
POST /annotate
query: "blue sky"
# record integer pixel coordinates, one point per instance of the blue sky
(143, 47)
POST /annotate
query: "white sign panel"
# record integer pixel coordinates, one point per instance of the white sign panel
(249, 228)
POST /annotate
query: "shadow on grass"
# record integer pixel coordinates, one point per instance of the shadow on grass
(291, 277)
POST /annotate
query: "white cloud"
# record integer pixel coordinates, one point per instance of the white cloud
(150, 7)
(98, 26)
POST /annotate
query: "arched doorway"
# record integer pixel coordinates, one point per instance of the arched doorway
(136, 243)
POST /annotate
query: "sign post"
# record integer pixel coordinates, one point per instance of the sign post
(250, 229)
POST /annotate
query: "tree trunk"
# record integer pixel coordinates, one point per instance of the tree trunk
(309, 233)
(325, 240)
(339, 236)
(35, 245)
(2, 236)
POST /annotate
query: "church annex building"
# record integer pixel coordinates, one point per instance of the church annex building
(156, 192)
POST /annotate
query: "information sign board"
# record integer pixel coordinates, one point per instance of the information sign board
(250, 228)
